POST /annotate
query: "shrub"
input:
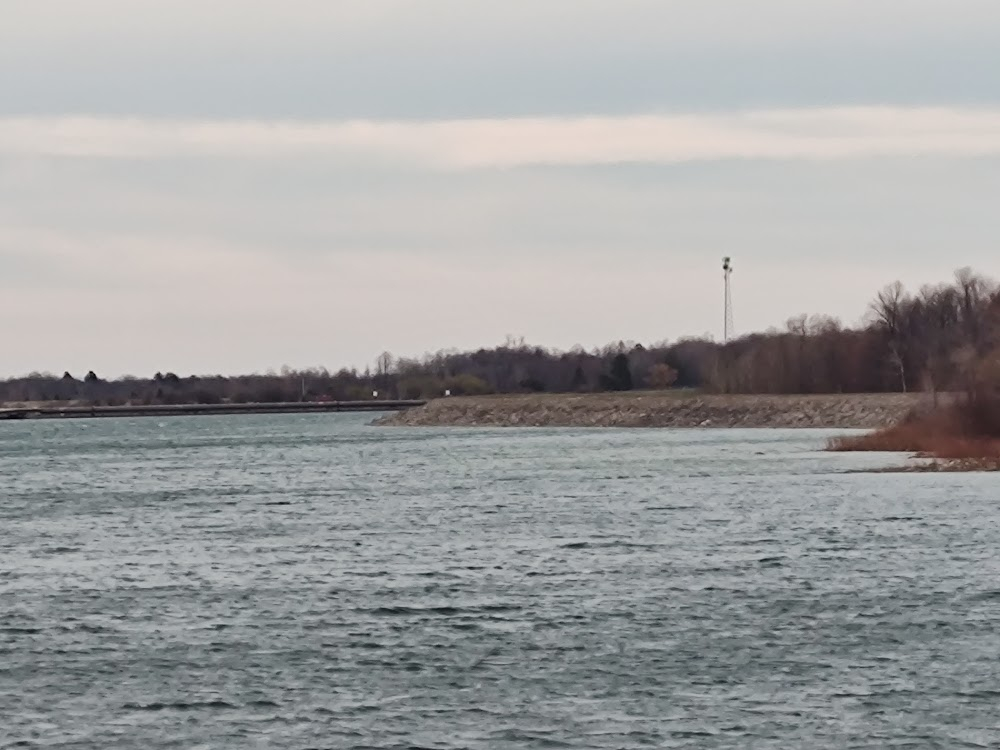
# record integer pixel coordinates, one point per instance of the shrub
(661, 376)
(968, 430)
(467, 385)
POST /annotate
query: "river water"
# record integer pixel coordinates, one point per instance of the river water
(311, 582)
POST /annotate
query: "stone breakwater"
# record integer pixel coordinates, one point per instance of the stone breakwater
(666, 409)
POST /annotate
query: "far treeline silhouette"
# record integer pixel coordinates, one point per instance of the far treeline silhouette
(933, 340)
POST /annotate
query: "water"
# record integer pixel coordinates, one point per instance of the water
(310, 582)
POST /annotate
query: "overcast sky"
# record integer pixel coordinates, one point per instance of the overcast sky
(237, 185)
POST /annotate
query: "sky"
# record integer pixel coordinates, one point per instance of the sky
(241, 185)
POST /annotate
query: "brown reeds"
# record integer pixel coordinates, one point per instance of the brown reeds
(964, 432)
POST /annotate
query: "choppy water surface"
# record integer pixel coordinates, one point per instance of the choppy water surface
(310, 582)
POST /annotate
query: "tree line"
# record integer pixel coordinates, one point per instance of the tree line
(936, 339)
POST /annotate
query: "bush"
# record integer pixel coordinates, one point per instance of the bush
(969, 430)
(420, 388)
(467, 385)
(661, 377)
(207, 397)
(532, 385)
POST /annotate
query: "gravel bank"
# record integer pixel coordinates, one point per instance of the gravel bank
(661, 409)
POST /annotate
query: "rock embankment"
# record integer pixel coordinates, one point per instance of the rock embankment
(663, 409)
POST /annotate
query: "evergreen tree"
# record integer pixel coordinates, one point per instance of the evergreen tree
(621, 373)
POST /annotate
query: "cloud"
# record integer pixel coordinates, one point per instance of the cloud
(400, 59)
(228, 246)
(246, 184)
(833, 133)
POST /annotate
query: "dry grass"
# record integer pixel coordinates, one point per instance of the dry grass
(967, 433)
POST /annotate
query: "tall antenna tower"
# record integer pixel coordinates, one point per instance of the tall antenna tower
(728, 327)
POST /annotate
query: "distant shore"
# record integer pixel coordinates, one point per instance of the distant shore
(662, 409)
(167, 410)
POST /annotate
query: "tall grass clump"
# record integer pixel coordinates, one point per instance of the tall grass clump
(967, 430)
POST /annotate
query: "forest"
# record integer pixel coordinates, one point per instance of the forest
(939, 338)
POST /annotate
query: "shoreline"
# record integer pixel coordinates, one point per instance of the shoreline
(178, 410)
(662, 409)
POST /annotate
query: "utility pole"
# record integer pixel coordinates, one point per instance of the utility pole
(728, 328)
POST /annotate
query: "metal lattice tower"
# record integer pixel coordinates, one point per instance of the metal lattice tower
(728, 327)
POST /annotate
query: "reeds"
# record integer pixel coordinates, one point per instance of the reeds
(966, 431)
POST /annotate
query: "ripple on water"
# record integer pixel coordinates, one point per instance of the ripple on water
(305, 581)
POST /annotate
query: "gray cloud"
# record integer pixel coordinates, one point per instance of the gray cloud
(243, 264)
(233, 185)
(459, 58)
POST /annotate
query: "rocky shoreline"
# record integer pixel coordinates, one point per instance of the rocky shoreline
(662, 409)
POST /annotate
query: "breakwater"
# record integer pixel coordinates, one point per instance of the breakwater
(663, 409)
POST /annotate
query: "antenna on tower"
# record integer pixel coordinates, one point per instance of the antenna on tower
(728, 327)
